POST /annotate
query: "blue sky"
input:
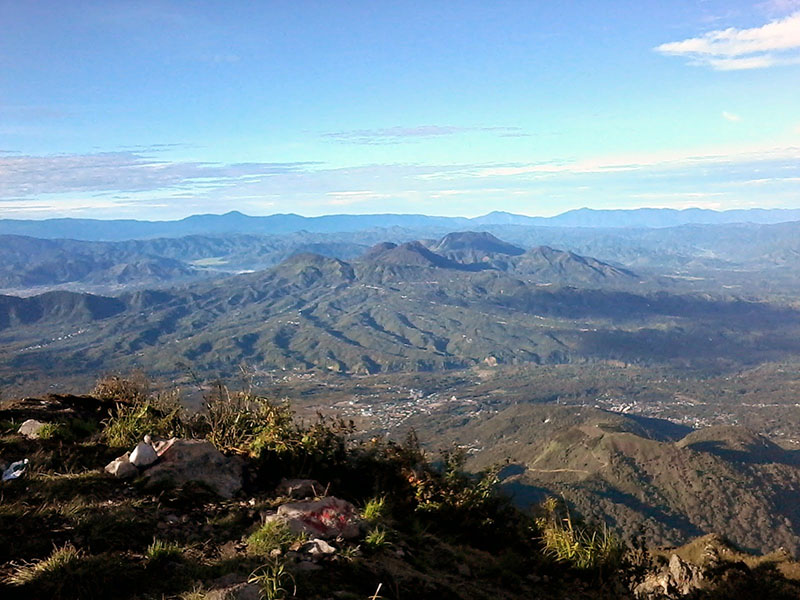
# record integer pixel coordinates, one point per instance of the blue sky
(163, 109)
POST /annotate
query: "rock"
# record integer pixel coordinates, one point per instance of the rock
(200, 461)
(121, 467)
(232, 587)
(677, 580)
(30, 429)
(326, 518)
(144, 454)
(299, 488)
(317, 547)
(685, 577)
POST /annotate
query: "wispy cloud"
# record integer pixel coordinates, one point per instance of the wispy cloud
(729, 116)
(773, 44)
(399, 135)
(33, 176)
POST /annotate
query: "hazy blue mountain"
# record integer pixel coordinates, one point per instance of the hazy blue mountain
(236, 222)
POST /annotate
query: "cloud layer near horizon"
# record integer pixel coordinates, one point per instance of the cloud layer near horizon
(129, 182)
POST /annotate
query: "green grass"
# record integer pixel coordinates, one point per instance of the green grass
(160, 552)
(272, 535)
(273, 580)
(581, 546)
(375, 510)
(377, 537)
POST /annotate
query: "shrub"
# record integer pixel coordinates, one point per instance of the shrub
(581, 546)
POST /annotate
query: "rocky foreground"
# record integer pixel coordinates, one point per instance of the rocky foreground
(124, 496)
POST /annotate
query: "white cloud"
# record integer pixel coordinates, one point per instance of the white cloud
(776, 43)
(729, 116)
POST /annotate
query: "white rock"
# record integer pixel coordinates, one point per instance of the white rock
(121, 467)
(143, 455)
(30, 429)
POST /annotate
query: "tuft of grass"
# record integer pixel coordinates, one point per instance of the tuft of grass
(377, 537)
(272, 535)
(159, 415)
(375, 510)
(160, 552)
(273, 580)
(581, 546)
(72, 431)
(58, 566)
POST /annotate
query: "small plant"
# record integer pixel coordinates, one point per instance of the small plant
(159, 415)
(272, 580)
(74, 430)
(582, 546)
(160, 552)
(377, 537)
(272, 535)
(375, 510)
(58, 566)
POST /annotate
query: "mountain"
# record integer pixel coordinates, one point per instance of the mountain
(403, 308)
(474, 247)
(645, 477)
(237, 223)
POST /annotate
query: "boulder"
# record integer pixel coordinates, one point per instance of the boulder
(326, 518)
(299, 488)
(678, 580)
(196, 460)
(122, 468)
(31, 428)
(144, 454)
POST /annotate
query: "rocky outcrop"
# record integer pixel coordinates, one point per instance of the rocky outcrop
(198, 461)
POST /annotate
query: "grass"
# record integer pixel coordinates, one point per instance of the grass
(376, 538)
(581, 546)
(375, 510)
(272, 535)
(273, 580)
(161, 552)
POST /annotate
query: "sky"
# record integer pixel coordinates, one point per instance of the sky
(163, 109)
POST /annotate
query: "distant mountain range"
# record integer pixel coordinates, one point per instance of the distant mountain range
(237, 223)
(398, 308)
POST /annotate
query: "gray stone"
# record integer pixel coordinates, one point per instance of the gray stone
(317, 547)
(31, 428)
(121, 467)
(326, 518)
(200, 461)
